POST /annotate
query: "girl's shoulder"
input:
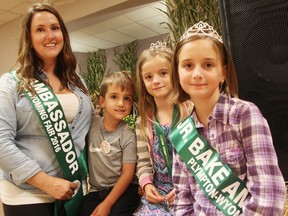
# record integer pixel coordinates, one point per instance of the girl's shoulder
(238, 104)
(239, 108)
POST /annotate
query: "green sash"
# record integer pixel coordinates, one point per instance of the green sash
(162, 141)
(216, 179)
(52, 117)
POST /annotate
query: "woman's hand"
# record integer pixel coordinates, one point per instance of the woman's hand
(152, 194)
(57, 188)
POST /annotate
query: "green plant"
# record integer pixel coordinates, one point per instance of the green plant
(96, 66)
(182, 14)
(126, 57)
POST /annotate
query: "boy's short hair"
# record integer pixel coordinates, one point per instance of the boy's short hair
(120, 78)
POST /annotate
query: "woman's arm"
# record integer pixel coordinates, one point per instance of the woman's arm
(12, 160)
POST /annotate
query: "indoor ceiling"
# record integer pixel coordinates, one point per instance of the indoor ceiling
(134, 24)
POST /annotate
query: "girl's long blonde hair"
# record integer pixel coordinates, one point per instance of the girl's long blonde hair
(146, 102)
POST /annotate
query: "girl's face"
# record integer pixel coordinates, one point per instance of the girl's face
(117, 103)
(157, 77)
(200, 70)
(46, 35)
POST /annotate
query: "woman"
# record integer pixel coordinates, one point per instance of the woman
(45, 114)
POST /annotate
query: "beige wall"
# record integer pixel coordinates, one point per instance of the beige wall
(82, 62)
(111, 66)
(1, 210)
(143, 44)
(9, 45)
(85, 10)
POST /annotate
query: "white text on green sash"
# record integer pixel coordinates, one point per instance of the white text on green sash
(64, 143)
(211, 173)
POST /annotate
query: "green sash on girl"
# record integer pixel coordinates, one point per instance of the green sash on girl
(216, 179)
(52, 117)
(162, 142)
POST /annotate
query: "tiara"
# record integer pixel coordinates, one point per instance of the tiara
(159, 46)
(202, 28)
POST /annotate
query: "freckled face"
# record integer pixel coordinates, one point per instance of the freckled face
(200, 70)
(46, 35)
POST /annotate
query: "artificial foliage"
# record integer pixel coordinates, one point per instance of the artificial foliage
(96, 66)
(126, 56)
(130, 120)
(182, 14)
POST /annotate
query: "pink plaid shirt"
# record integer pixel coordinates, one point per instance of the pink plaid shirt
(241, 136)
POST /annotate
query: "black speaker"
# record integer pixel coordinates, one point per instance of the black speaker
(256, 31)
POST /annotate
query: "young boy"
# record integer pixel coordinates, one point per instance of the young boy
(112, 151)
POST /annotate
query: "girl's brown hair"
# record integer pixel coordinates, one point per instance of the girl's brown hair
(230, 84)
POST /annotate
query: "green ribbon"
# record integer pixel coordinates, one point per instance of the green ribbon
(162, 140)
(224, 189)
(51, 116)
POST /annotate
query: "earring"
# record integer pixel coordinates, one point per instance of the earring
(220, 86)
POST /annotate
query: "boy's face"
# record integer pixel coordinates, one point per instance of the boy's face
(117, 103)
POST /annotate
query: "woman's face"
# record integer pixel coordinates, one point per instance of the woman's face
(46, 35)
(200, 69)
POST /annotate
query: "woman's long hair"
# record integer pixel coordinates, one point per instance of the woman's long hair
(30, 62)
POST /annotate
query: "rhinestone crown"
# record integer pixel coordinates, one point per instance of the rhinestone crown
(202, 28)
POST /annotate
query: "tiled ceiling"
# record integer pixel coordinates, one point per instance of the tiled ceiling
(136, 24)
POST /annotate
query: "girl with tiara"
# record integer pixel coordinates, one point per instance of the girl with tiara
(157, 117)
(225, 162)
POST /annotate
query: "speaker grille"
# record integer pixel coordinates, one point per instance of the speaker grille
(257, 35)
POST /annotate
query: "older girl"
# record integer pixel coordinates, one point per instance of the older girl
(229, 131)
